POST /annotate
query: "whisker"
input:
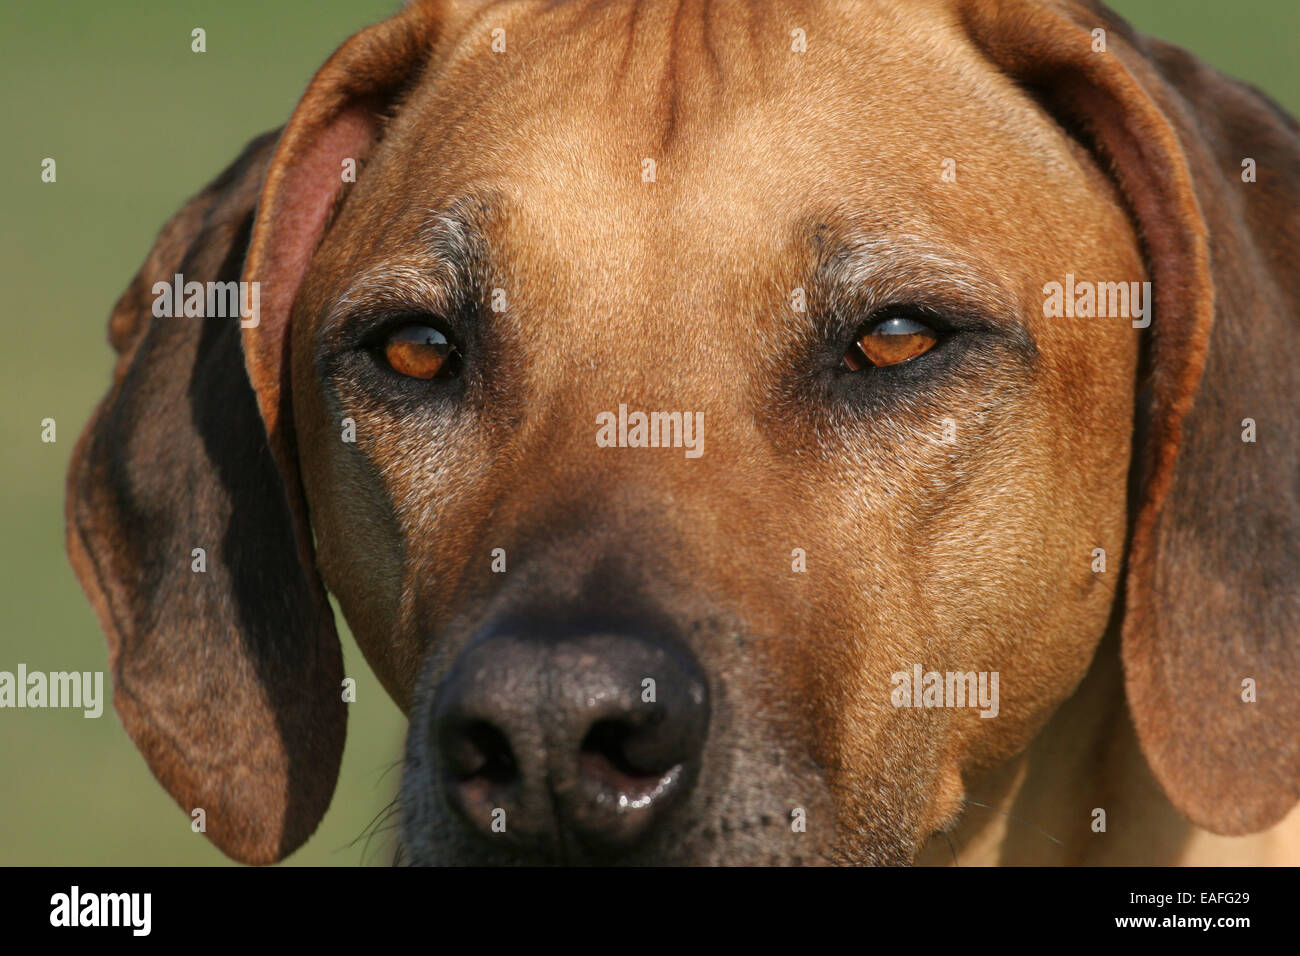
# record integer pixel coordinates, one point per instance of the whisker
(1016, 818)
(382, 822)
(389, 769)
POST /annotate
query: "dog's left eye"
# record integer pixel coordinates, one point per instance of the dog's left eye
(421, 351)
(890, 341)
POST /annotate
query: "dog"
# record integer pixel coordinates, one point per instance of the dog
(983, 316)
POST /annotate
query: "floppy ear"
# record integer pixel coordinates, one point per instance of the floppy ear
(1213, 566)
(228, 679)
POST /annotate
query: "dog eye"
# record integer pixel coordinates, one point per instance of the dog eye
(891, 341)
(421, 351)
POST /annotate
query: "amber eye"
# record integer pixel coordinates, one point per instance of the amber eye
(890, 342)
(420, 351)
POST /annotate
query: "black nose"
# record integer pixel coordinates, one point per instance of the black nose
(592, 737)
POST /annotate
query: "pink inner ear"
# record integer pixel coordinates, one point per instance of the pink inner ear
(306, 176)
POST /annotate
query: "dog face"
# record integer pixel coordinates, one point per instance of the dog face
(907, 485)
(834, 272)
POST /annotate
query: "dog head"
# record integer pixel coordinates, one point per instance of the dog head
(660, 388)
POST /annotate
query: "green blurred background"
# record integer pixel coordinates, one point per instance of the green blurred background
(137, 123)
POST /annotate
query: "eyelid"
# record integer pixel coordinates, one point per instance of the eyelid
(853, 312)
(414, 329)
(927, 320)
(910, 325)
(366, 312)
(373, 328)
(922, 314)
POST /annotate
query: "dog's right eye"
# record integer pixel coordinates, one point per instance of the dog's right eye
(421, 351)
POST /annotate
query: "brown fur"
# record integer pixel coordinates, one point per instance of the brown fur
(776, 170)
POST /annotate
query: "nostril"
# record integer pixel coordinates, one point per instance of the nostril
(624, 759)
(478, 750)
(612, 740)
